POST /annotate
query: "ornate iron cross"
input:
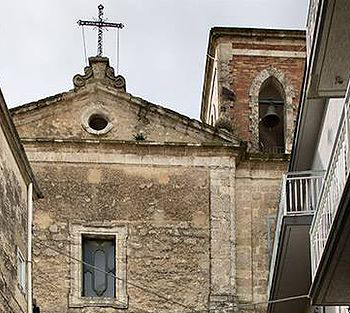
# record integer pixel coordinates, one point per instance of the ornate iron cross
(100, 24)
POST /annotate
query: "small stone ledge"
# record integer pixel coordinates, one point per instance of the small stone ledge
(222, 303)
(282, 157)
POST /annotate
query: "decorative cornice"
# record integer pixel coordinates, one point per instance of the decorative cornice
(131, 152)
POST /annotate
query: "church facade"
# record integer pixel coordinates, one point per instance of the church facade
(135, 189)
(146, 210)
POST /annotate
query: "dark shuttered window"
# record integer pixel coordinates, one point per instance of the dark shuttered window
(100, 253)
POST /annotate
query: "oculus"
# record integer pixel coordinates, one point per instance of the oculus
(97, 121)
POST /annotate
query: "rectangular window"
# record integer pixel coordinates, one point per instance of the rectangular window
(99, 278)
(21, 271)
(100, 246)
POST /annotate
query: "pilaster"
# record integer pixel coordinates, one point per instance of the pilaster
(222, 234)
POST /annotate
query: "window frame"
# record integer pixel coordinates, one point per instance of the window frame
(97, 110)
(98, 231)
(85, 239)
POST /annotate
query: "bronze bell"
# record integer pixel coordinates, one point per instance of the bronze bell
(271, 118)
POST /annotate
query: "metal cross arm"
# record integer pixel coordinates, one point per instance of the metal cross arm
(100, 24)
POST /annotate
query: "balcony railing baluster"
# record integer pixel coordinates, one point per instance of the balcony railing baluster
(307, 197)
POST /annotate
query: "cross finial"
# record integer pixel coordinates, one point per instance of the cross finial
(100, 31)
(100, 24)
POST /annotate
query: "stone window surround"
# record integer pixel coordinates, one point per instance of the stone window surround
(98, 230)
(254, 107)
(97, 109)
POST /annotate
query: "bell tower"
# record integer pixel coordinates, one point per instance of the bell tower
(252, 85)
(251, 89)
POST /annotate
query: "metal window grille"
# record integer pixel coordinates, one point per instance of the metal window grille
(100, 253)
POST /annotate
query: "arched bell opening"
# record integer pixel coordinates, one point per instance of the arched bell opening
(272, 116)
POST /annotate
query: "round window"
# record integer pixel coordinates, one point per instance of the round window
(97, 122)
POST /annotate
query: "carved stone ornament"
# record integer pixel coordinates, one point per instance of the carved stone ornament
(120, 82)
(80, 80)
(99, 70)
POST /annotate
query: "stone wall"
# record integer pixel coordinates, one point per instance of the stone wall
(177, 206)
(171, 192)
(257, 193)
(13, 228)
(200, 230)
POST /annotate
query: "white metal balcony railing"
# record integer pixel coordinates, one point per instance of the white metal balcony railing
(298, 196)
(335, 179)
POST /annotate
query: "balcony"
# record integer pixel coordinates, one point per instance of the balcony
(290, 262)
(330, 230)
(328, 41)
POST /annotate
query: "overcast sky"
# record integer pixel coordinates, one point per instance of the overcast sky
(163, 46)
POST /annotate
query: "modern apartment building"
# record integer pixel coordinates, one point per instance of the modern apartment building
(312, 248)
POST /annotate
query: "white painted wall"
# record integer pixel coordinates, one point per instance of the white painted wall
(328, 134)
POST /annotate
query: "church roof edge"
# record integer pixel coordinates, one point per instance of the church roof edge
(193, 123)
